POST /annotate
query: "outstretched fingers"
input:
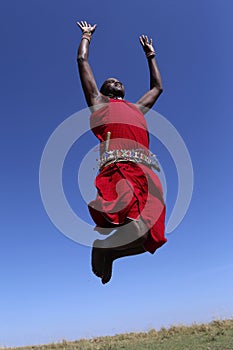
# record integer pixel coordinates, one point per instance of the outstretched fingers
(146, 43)
(141, 40)
(144, 40)
(84, 26)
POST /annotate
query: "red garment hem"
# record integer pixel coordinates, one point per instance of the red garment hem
(142, 197)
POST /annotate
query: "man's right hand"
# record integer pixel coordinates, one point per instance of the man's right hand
(86, 27)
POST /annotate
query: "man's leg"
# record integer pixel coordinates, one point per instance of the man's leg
(112, 255)
(130, 235)
(127, 240)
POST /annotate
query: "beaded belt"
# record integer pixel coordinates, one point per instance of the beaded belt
(132, 155)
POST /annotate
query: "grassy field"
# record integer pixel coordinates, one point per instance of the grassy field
(217, 335)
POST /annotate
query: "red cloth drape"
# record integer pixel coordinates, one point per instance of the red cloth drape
(125, 189)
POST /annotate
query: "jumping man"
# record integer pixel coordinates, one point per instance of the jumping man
(129, 199)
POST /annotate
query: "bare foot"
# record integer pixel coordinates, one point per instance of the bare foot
(107, 271)
(97, 258)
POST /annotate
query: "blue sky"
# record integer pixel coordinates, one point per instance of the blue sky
(48, 291)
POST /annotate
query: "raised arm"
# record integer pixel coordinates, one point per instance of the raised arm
(90, 89)
(150, 97)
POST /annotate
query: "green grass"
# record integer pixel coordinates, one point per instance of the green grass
(217, 335)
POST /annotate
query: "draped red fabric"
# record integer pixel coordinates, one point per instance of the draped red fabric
(126, 189)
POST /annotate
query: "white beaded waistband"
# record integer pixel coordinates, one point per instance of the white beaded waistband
(131, 155)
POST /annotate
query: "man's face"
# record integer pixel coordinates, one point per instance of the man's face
(113, 86)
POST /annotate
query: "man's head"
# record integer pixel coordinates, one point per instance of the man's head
(112, 87)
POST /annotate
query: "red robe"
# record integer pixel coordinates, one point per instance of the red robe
(140, 195)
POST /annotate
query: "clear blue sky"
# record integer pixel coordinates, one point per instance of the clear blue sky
(48, 291)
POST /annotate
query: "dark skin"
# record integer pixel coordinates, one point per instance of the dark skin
(103, 254)
(114, 88)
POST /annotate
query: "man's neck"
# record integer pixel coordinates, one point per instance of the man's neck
(115, 97)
